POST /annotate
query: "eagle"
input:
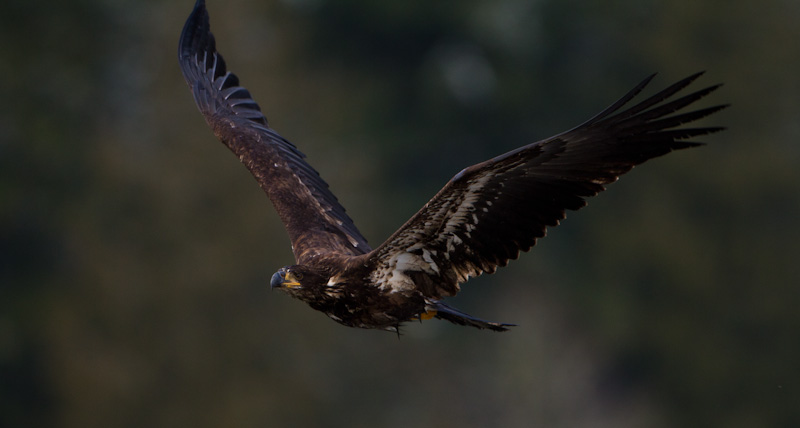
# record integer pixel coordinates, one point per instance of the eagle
(483, 217)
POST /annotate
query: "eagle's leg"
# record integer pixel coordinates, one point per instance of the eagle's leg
(428, 314)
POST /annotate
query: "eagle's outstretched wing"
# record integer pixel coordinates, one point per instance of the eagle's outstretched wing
(491, 211)
(316, 222)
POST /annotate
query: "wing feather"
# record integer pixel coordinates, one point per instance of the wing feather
(490, 212)
(317, 224)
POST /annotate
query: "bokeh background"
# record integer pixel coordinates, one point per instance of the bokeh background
(135, 251)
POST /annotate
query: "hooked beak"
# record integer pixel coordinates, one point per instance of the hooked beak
(283, 279)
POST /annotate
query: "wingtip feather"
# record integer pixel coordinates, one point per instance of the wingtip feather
(196, 31)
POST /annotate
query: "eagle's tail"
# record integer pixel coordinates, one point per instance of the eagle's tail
(455, 316)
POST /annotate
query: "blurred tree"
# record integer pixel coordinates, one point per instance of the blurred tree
(45, 140)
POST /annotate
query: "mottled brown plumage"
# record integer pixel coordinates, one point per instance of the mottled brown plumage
(484, 217)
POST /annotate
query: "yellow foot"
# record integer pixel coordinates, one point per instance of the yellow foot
(427, 315)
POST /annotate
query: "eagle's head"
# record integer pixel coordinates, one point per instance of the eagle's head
(297, 280)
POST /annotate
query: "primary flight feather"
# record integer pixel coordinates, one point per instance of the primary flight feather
(480, 220)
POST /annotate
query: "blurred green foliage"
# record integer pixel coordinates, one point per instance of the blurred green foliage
(135, 251)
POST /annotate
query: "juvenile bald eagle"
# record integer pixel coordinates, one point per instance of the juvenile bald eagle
(482, 218)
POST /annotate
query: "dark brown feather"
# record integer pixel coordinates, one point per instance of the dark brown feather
(317, 224)
(491, 211)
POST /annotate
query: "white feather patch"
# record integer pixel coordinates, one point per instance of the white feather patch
(393, 275)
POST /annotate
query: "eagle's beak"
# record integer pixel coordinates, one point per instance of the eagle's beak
(283, 279)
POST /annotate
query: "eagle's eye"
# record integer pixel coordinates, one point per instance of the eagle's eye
(297, 275)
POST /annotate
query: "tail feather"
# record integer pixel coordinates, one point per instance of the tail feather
(455, 316)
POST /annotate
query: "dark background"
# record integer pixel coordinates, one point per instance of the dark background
(135, 251)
